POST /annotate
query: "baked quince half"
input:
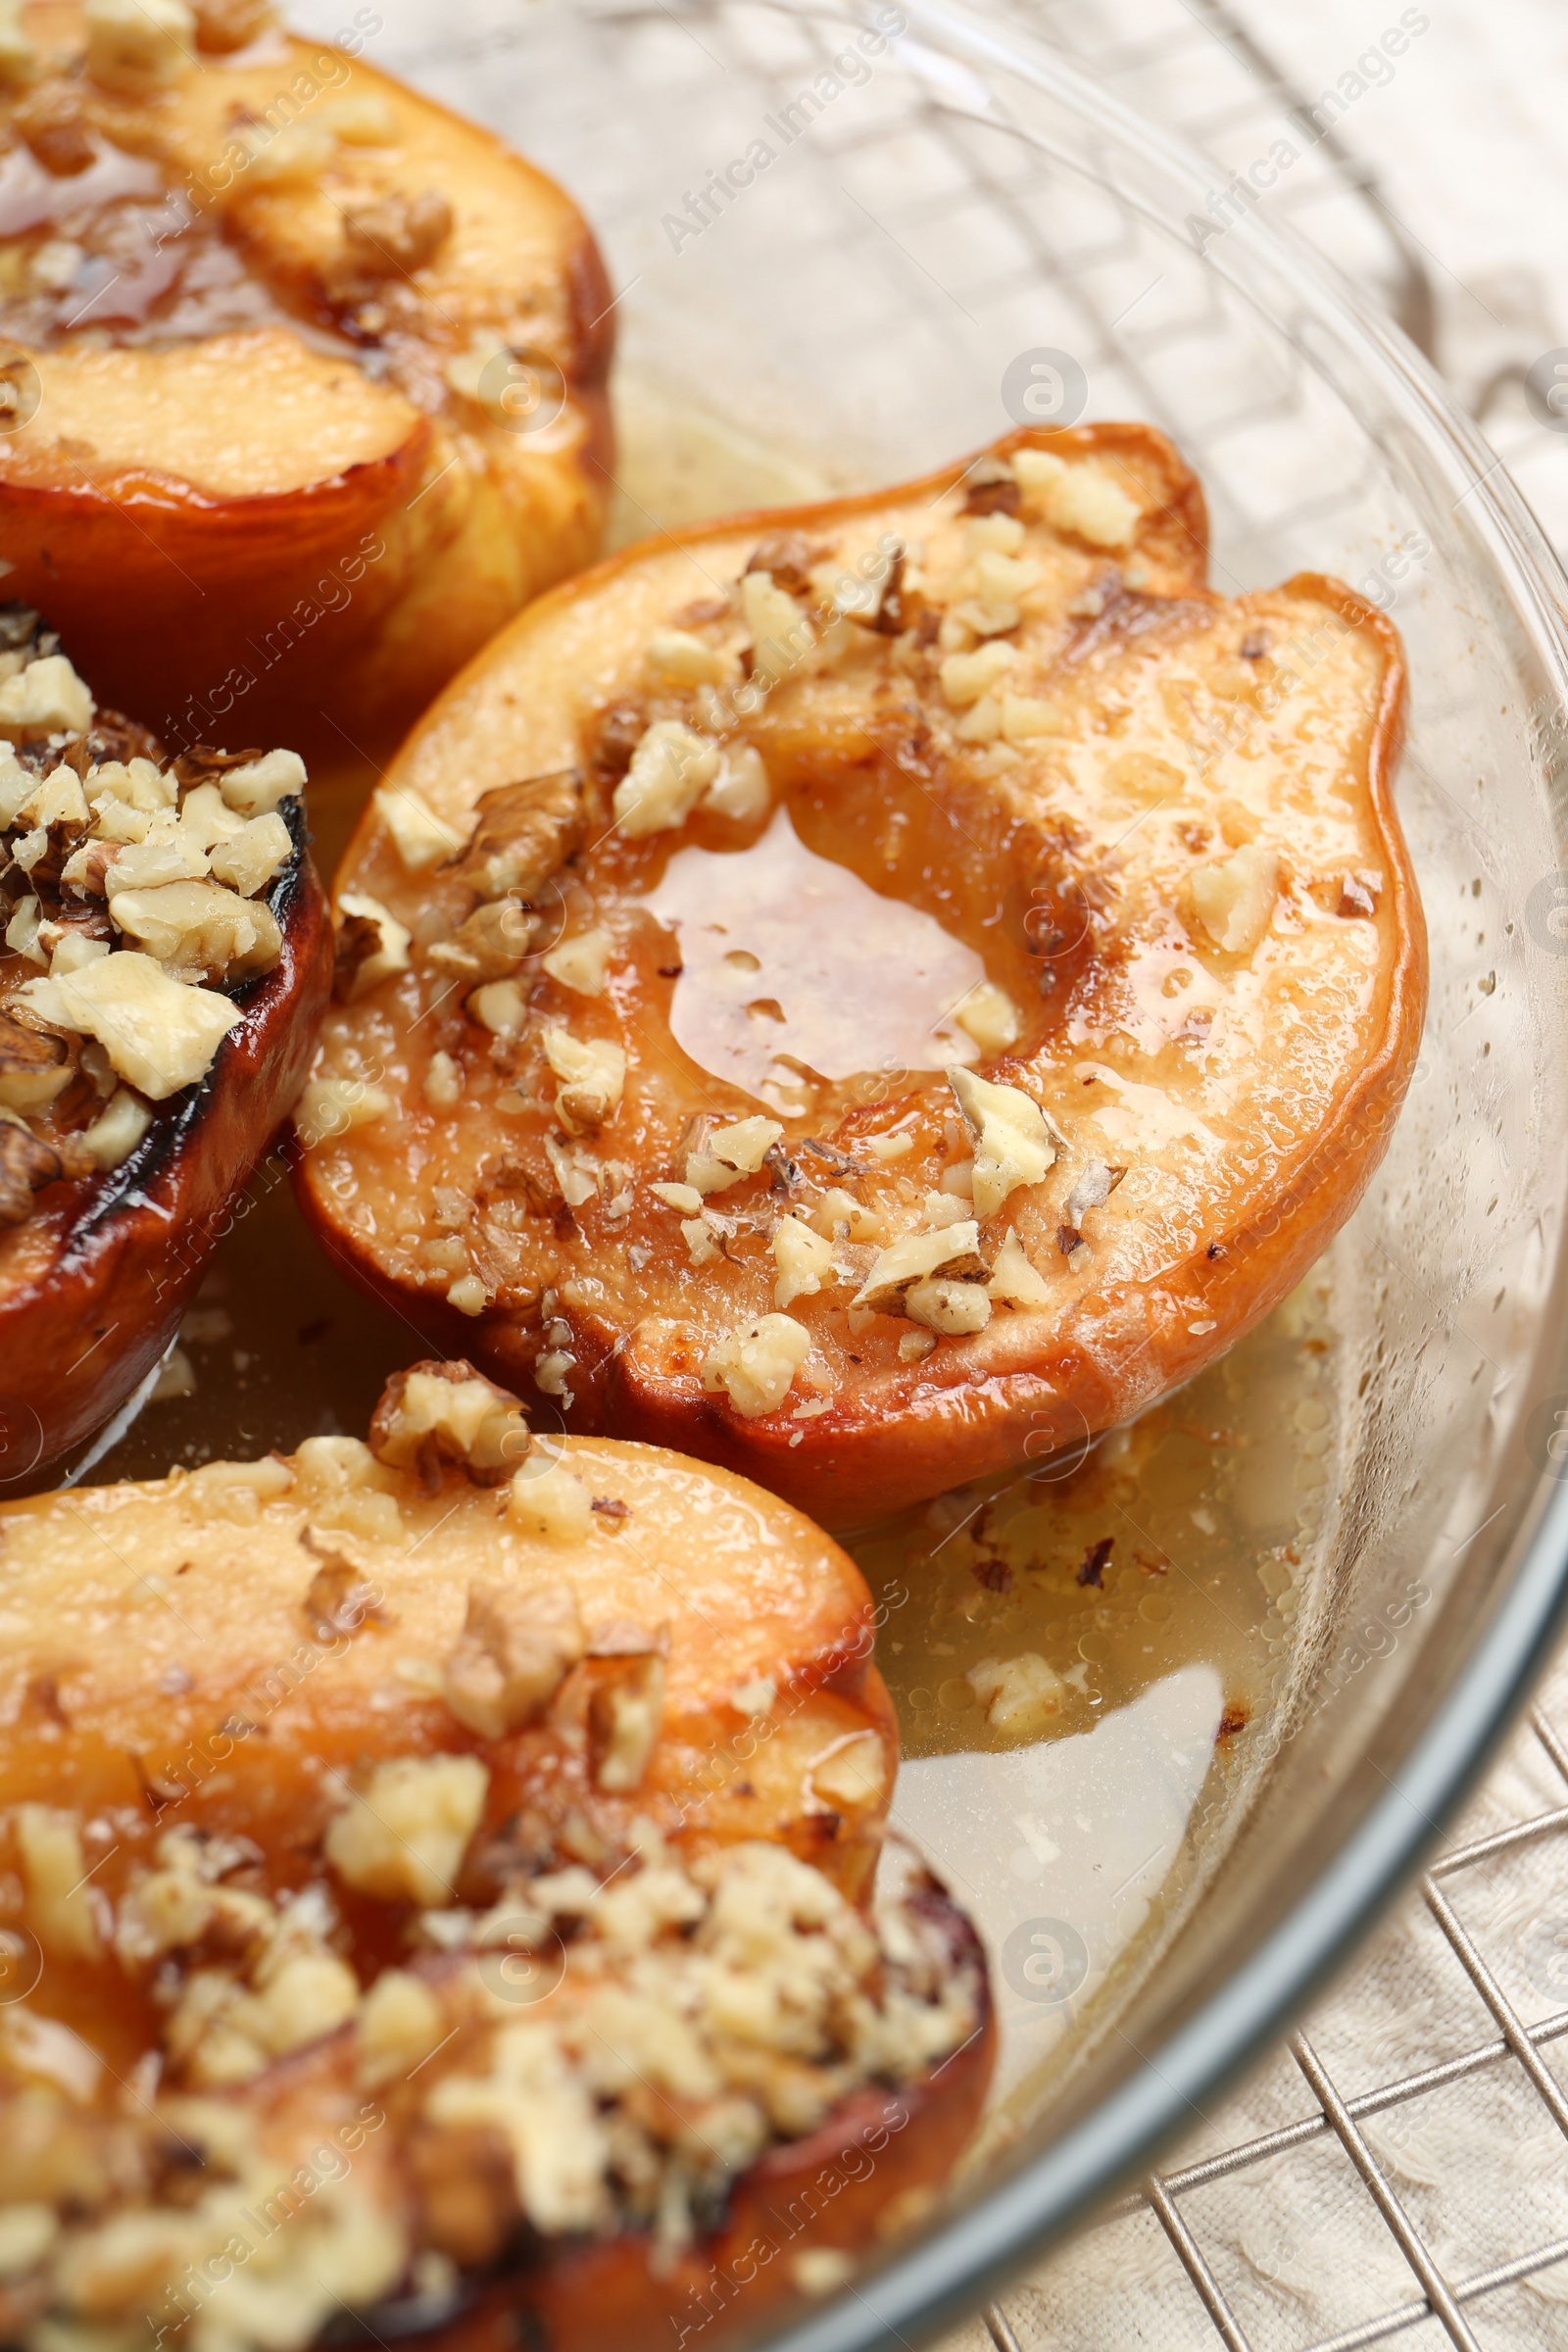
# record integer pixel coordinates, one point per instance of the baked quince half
(302, 378)
(165, 959)
(464, 1845)
(867, 993)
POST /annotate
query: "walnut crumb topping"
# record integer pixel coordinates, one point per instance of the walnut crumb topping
(516, 1649)
(437, 1415)
(135, 888)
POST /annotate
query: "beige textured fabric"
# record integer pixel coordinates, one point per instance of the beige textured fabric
(1297, 2243)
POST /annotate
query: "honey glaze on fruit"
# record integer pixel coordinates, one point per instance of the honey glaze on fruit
(782, 980)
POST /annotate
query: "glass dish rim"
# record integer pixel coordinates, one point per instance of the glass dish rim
(940, 2281)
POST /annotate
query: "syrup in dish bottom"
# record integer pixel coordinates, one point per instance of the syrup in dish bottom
(1079, 1841)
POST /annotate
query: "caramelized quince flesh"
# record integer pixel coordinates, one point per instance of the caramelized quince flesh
(485, 1829)
(270, 329)
(1163, 835)
(228, 1653)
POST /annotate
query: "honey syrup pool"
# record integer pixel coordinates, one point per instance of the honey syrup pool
(1167, 1575)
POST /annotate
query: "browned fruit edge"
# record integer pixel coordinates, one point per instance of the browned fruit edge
(829, 2190)
(130, 1246)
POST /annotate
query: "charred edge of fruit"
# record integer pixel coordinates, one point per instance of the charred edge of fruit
(502, 2287)
(168, 1137)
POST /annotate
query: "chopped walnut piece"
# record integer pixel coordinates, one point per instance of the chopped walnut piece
(781, 634)
(492, 944)
(327, 1107)
(499, 1007)
(358, 942)
(33, 1068)
(50, 121)
(988, 1016)
(166, 852)
(137, 48)
(952, 1309)
(159, 1034)
(1014, 1279)
(371, 946)
(915, 1258)
(421, 838)
(788, 556)
(204, 816)
(670, 770)
(222, 26)
(116, 1131)
(60, 1899)
(47, 697)
(991, 488)
(1234, 901)
(250, 859)
(967, 677)
(522, 834)
(1093, 1189)
(23, 631)
(1080, 498)
(580, 962)
(254, 786)
(437, 1413)
(838, 1208)
(136, 784)
(731, 1152)
(399, 2020)
(851, 1774)
(1020, 1696)
(27, 1166)
(362, 120)
(442, 1086)
(516, 1649)
(207, 762)
(614, 737)
(393, 236)
(624, 1713)
(805, 1262)
(683, 659)
(295, 155)
(893, 607)
(593, 1076)
(1012, 1143)
(199, 930)
(756, 1363)
(342, 1595)
(404, 1838)
(742, 789)
(548, 1500)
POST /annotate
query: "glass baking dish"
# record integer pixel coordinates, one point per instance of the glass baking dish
(847, 245)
